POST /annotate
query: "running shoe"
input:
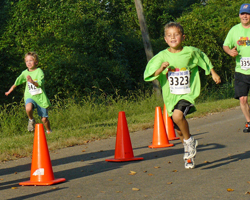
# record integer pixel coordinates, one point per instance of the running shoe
(31, 125)
(247, 127)
(189, 164)
(191, 149)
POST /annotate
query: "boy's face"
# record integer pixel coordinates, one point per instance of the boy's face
(30, 63)
(174, 38)
(245, 19)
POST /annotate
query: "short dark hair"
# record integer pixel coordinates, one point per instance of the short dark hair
(173, 24)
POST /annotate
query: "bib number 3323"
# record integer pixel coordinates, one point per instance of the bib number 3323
(179, 82)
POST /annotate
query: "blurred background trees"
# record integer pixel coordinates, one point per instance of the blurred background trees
(88, 46)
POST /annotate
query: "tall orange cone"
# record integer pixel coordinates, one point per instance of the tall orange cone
(41, 169)
(123, 146)
(160, 138)
(169, 125)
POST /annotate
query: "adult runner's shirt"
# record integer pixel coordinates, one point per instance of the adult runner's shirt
(31, 91)
(181, 80)
(239, 37)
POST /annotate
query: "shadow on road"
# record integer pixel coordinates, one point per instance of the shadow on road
(225, 161)
(35, 194)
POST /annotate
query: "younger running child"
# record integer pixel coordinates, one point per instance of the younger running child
(34, 94)
(176, 68)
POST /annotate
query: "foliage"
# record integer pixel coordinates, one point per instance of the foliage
(88, 46)
(160, 12)
(84, 46)
(206, 28)
(79, 48)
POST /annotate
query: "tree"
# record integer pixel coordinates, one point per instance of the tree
(146, 41)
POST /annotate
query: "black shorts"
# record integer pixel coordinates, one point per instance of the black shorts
(186, 107)
(241, 85)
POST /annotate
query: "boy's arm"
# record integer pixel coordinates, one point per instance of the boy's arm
(164, 65)
(232, 52)
(215, 76)
(31, 81)
(10, 90)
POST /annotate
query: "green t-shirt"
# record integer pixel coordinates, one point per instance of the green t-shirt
(187, 60)
(31, 91)
(240, 37)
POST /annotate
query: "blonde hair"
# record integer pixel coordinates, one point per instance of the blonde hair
(34, 55)
(173, 24)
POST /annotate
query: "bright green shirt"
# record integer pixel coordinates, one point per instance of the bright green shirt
(187, 59)
(239, 37)
(30, 90)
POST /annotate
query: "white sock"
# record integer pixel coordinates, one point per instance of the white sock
(31, 119)
(188, 140)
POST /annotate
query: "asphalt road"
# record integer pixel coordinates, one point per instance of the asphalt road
(222, 167)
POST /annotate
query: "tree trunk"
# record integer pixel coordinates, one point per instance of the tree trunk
(146, 41)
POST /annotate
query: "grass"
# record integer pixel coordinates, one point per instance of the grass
(77, 121)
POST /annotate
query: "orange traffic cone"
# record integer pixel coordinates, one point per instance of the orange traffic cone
(123, 146)
(41, 169)
(169, 125)
(160, 138)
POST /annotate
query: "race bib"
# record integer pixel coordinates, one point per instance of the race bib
(33, 89)
(179, 82)
(245, 63)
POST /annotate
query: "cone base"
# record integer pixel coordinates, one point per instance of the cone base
(161, 146)
(59, 180)
(174, 138)
(124, 159)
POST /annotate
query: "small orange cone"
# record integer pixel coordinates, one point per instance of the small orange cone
(169, 125)
(123, 146)
(41, 169)
(160, 138)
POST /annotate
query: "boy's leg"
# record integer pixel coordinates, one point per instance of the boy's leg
(188, 164)
(182, 124)
(46, 123)
(29, 110)
(29, 106)
(43, 113)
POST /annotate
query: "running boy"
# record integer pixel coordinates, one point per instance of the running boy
(237, 44)
(34, 95)
(176, 68)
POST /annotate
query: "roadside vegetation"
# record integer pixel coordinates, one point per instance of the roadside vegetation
(80, 120)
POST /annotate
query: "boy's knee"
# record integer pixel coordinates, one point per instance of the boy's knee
(45, 119)
(29, 107)
(243, 100)
(177, 118)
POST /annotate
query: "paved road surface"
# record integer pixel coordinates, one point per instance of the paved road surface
(222, 163)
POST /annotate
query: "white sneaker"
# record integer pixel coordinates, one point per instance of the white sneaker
(31, 125)
(185, 150)
(189, 164)
(191, 149)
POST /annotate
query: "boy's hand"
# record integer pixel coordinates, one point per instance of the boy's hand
(10, 90)
(164, 65)
(215, 77)
(29, 79)
(233, 52)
